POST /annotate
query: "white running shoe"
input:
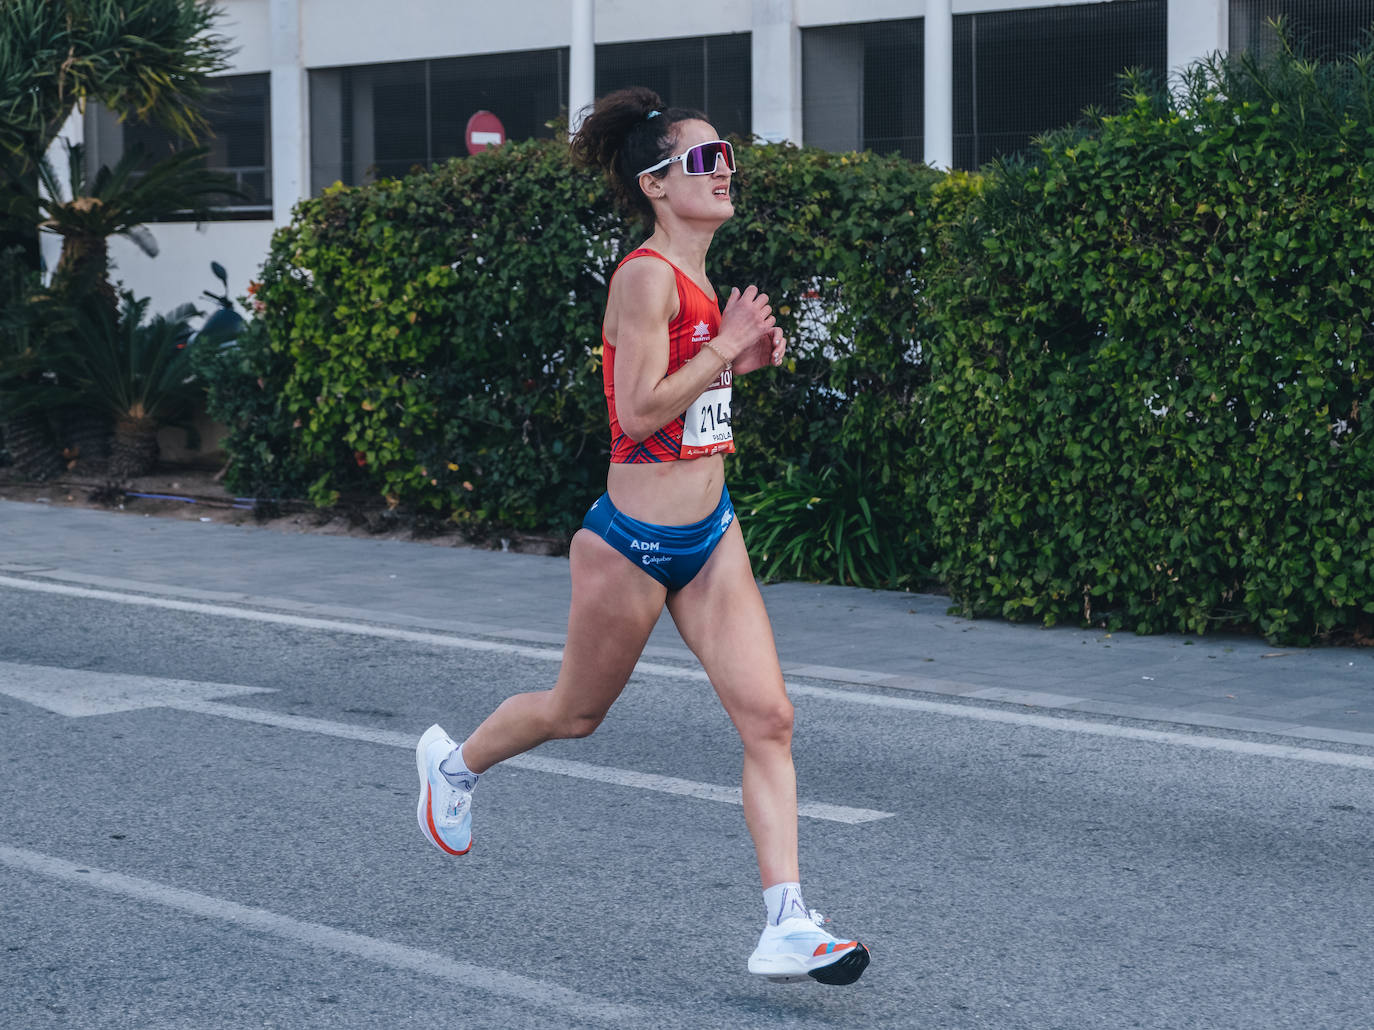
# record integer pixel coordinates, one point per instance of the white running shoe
(445, 812)
(798, 948)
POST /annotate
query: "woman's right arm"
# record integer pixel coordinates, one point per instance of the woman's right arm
(643, 302)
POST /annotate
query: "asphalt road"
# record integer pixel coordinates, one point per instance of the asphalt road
(176, 851)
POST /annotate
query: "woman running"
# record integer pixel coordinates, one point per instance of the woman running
(664, 532)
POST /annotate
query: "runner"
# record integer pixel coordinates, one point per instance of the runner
(664, 532)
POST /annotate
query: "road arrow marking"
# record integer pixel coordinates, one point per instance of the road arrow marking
(430, 964)
(79, 692)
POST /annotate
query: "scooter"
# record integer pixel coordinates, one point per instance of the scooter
(223, 324)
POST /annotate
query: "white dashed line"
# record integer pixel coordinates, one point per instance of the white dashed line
(431, 964)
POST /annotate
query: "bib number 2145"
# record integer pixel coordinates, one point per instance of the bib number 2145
(706, 424)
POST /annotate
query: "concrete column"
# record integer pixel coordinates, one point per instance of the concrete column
(582, 63)
(777, 71)
(939, 84)
(290, 122)
(1197, 28)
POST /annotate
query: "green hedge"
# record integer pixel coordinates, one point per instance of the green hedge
(1125, 381)
(436, 339)
(1153, 366)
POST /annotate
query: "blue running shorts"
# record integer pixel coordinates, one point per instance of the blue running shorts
(673, 555)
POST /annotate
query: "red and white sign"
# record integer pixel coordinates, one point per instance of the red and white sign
(484, 130)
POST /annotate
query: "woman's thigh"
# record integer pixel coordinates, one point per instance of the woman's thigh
(722, 618)
(614, 608)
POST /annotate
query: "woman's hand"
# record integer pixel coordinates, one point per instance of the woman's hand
(769, 350)
(749, 335)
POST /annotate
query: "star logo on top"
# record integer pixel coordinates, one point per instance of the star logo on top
(701, 332)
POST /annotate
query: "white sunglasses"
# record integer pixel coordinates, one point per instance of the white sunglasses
(700, 159)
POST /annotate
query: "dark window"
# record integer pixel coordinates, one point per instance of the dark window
(378, 121)
(863, 87)
(1322, 29)
(239, 115)
(1018, 74)
(709, 73)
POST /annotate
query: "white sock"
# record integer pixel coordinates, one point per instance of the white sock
(784, 901)
(457, 773)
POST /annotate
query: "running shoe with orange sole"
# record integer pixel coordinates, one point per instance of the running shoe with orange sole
(796, 949)
(444, 811)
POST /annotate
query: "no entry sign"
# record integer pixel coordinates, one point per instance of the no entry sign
(484, 130)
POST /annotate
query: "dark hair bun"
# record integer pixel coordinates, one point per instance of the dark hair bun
(628, 130)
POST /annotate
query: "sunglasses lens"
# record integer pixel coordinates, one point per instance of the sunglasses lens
(701, 159)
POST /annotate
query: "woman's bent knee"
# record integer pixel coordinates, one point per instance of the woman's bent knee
(771, 724)
(578, 726)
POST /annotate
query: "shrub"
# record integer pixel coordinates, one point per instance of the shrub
(134, 374)
(1152, 376)
(821, 527)
(244, 381)
(436, 339)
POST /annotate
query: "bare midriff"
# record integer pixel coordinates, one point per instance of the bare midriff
(669, 493)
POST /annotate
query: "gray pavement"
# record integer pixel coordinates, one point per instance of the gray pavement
(894, 640)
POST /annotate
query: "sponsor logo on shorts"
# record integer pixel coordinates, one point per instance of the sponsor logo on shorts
(655, 559)
(726, 519)
(644, 545)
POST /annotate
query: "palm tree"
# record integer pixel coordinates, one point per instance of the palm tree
(137, 375)
(29, 318)
(148, 59)
(153, 60)
(118, 201)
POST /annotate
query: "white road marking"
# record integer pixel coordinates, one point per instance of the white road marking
(302, 621)
(533, 762)
(1069, 725)
(1066, 725)
(466, 975)
(80, 692)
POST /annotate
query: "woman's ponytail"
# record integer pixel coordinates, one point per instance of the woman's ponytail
(629, 130)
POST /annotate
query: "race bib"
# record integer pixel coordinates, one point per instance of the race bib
(706, 423)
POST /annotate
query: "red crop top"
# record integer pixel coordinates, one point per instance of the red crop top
(704, 428)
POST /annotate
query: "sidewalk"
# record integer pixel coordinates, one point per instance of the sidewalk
(888, 639)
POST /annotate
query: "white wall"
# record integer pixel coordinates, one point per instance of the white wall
(245, 23)
(340, 32)
(832, 12)
(1197, 28)
(619, 21)
(182, 268)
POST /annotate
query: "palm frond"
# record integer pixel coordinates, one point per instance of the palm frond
(150, 59)
(127, 366)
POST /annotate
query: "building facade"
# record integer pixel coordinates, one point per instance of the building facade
(325, 91)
